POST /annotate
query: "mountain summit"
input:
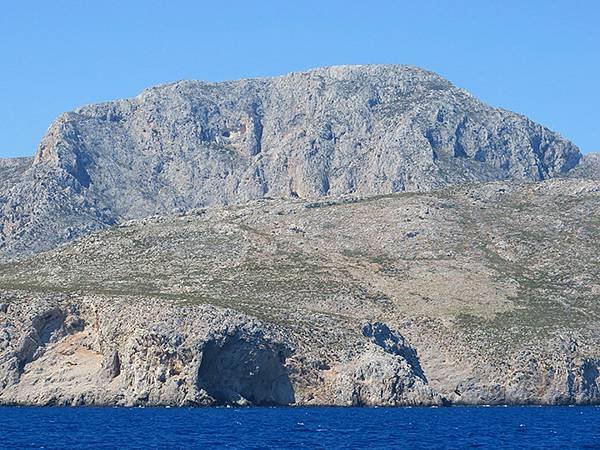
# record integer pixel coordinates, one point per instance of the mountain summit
(359, 130)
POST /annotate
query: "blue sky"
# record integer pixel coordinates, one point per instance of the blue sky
(539, 58)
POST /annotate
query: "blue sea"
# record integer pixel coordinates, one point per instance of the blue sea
(285, 428)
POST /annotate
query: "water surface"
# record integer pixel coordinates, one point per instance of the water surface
(256, 428)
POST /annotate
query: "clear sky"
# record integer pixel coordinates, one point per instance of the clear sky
(539, 58)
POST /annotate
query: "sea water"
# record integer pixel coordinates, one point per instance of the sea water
(257, 428)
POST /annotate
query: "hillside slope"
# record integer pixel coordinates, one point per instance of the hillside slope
(471, 294)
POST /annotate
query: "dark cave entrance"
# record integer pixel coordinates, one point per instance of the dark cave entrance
(236, 370)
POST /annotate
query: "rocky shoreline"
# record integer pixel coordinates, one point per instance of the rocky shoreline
(62, 353)
(231, 306)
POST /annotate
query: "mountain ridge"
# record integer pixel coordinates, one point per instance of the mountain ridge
(361, 130)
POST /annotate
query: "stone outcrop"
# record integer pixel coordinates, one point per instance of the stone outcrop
(11, 170)
(53, 352)
(385, 373)
(59, 352)
(588, 167)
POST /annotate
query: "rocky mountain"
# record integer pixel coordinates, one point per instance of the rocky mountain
(472, 294)
(11, 171)
(588, 167)
(362, 130)
(357, 235)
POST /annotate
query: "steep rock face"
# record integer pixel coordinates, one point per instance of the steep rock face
(60, 351)
(54, 351)
(386, 373)
(45, 208)
(557, 377)
(340, 130)
(11, 169)
(588, 167)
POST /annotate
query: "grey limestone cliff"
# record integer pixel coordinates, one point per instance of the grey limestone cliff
(11, 171)
(93, 351)
(360, 130)
(588, 167)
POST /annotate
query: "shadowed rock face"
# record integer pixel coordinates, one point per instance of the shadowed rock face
(242, 372)
(340, 130)
(39, 331)
(394, 344)
(84, 355)
(387, 372)
(588, 167)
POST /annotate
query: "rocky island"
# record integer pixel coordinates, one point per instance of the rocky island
(353, 235)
